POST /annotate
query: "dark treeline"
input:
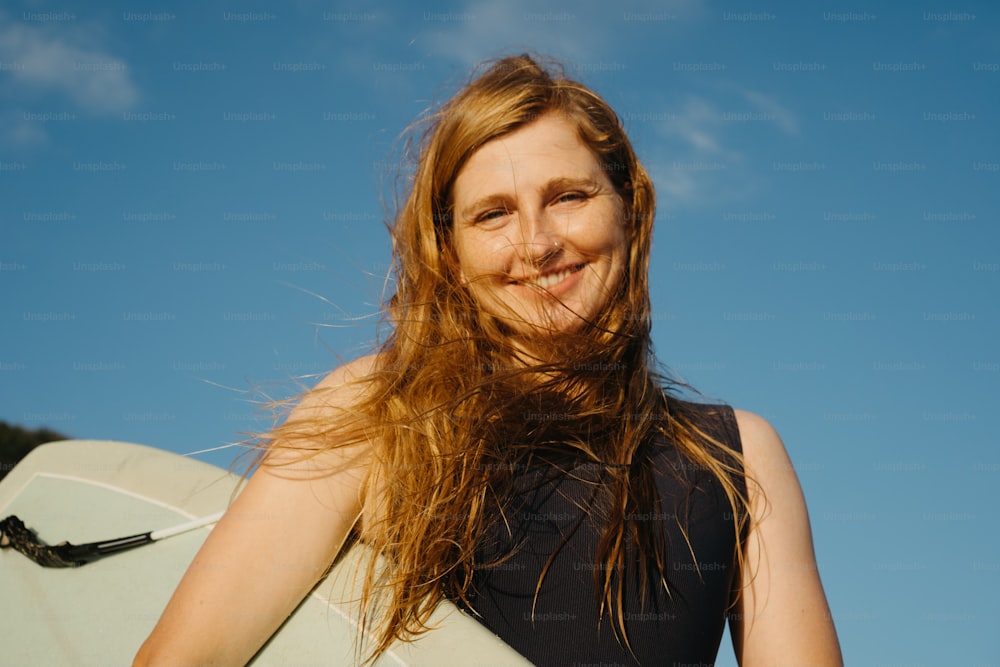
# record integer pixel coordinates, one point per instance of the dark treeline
(17, 441)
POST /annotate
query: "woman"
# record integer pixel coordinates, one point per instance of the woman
(510, 446)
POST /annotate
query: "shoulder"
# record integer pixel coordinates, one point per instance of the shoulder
(303, 441)
(350, 372)
(764, 453)
(342, 388)
(755, 431)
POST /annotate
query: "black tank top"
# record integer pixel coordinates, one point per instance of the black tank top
(563, 626)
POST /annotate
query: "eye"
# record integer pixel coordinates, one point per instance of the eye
(570, 197)
(492, 214)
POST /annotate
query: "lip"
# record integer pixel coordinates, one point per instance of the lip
(572, 271)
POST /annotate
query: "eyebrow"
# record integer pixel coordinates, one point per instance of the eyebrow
(486, 203)
(498, 200)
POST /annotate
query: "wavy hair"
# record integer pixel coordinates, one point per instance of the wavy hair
(444, 409)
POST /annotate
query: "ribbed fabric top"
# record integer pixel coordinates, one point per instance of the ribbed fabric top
(562, 626)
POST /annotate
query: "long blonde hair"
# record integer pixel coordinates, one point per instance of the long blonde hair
(450, 411)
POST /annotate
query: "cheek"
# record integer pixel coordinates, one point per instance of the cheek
(462, 258)
(608, 234)
(620, 244)
(478, 254)
(469, 257)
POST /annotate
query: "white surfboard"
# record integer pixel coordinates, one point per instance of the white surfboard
(98, 614)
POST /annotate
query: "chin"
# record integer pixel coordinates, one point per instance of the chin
(542, 324)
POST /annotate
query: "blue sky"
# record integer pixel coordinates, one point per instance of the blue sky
(192, 204)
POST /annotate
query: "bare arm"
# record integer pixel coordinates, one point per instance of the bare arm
(270, 548)
(783, 617)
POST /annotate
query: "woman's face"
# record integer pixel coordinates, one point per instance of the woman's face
(538, 228)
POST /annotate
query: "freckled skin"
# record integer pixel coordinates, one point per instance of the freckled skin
(539, 230)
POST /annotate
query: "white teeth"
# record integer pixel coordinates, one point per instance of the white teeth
(551, 279)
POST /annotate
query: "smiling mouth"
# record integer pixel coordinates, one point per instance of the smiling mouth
(551, 279)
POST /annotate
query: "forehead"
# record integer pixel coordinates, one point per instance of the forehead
(543, 150)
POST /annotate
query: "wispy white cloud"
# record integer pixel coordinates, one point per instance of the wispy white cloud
(573, 32)
(690, 160)
(65, 61)
(699, 153)
(696, 152)
(696, 123)
(770, 106)
(20, 132)
(484, 28)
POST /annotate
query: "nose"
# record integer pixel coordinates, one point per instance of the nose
(539, 240)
